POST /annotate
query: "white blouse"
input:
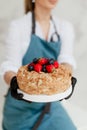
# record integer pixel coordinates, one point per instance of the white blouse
(19, 36)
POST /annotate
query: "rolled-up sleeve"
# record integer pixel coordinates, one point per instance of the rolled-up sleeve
(12, 50)
(67, 44)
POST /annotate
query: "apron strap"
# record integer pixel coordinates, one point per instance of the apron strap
(52, 37)
(33, 22)
(56, 32)
(45, 110)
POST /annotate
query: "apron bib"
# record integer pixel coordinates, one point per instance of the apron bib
(21, 115)
(41, 48)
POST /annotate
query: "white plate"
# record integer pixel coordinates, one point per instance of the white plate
(46, 98)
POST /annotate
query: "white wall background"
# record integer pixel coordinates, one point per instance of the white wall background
(73, 10)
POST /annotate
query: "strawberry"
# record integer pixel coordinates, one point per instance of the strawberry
(56, 64)
(42, 61)
(50, 68)
(37, 67)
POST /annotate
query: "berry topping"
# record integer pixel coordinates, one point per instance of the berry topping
(56, 64)
(43, 64)
(50, 68)
(37, 67)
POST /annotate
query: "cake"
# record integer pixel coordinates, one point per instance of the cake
(43, 76)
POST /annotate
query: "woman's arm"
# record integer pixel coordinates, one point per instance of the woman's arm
(67, 39)
(13, 56)
(8, 76)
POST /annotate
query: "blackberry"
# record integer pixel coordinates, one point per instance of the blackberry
(51, 61)
(44, 68)
(35, 60)
(30, 68)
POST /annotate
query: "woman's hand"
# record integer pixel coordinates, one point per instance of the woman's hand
(14, 87)
(11, 80)
(73, 82)
(8, 76)
(73, 79)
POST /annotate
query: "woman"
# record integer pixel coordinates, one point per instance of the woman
(36, 34)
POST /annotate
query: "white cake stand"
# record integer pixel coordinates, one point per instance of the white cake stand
(46, 98)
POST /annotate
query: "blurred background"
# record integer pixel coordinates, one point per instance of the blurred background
(76, 12)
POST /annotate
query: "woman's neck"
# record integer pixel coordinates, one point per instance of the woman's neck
(42, 15)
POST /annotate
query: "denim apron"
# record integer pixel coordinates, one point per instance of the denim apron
(22, 115)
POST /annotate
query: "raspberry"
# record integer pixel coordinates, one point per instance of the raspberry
(56, 64)
(50, 68)
(37, 67)
(42, 61)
